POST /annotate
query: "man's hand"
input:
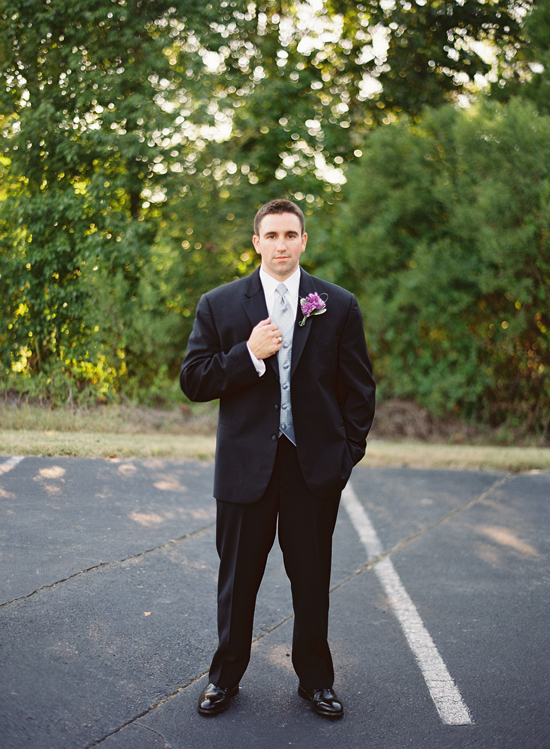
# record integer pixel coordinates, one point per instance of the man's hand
(265, 339)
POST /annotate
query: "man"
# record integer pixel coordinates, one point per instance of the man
(296, 404)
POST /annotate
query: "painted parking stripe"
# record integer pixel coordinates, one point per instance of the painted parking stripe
(10, 463)
(443, 690)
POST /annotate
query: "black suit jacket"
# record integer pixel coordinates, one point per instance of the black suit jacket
(332, 388)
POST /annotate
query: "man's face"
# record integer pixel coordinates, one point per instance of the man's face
(280, 244)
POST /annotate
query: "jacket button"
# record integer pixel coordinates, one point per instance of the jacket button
(276, 408)
(274, 437)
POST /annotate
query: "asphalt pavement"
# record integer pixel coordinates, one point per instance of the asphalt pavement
(440, 596)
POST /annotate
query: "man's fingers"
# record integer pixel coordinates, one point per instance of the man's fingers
(270, 329)
(263, 323)
(265, 339)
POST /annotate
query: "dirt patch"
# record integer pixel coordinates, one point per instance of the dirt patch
(405, 420)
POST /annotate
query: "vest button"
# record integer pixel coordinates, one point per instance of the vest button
(276, 408)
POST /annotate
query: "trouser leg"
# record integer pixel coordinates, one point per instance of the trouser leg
(244, 537)
(306, 526)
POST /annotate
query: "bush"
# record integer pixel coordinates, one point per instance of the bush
(444, 235)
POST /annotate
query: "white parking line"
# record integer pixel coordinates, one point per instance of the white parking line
(444, 692)
(10, 463)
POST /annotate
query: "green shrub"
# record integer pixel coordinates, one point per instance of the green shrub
(444, 234)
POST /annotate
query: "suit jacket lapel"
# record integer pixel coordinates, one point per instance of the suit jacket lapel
(254, 299)
(301, 333)
(255, 307)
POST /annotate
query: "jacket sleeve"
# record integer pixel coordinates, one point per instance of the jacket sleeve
(355, 385)
(213, 368)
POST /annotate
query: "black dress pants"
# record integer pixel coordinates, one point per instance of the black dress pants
(244, 537)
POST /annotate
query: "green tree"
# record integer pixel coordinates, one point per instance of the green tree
(302, 108)
(444, 236)
(524, 69)
(99, 101)
(313, 84)
(137, 137)
(426, 52)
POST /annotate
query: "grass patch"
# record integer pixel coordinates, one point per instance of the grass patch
(467, 457)
(201, 418)
(188, 433)
(107, 445)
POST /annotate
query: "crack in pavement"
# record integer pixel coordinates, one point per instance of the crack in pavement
(179, 690)
(101, 565)
(133, 721)
(161, 737)
(444, 519)
(373, 561)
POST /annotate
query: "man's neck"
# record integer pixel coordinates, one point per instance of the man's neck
(280, 279)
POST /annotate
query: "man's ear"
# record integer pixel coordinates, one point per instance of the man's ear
(255, 242)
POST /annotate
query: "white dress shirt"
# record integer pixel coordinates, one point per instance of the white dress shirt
(269, 285)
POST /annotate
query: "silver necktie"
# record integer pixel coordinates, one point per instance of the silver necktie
(284, 318)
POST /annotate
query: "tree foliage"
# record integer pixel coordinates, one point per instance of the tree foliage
(427, 53)
(524, 68)
(138, 137)
(95, 102)
(444, 234)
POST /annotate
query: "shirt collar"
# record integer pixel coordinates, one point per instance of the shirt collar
(270, 284)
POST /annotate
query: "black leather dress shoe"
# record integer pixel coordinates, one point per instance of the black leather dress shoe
(323, 701)
(215, 700)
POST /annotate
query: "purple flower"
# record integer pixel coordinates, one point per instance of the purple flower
(313, 304)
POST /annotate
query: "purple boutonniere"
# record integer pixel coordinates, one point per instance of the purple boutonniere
(313, 304)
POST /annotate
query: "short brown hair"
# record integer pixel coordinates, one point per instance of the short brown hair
(278, 206)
